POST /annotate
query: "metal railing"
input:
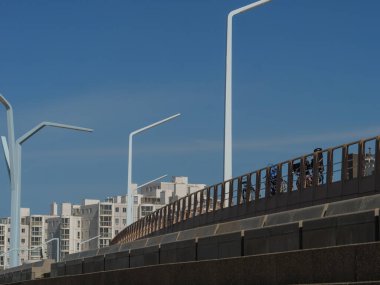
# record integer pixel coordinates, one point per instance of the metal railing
(315, 173)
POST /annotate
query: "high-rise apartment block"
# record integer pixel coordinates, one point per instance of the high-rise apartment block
(90, 225)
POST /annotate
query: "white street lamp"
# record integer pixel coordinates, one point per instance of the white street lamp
(87, 240)
(14, 166)
(228, 97)
(130, 196)
(151, 181)
(17, 250)
(45, 243)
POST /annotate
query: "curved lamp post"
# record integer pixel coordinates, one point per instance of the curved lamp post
(17, 250)
(228, 96)
(151, 181)
(15, 171)
(85, 241)
(130, 196)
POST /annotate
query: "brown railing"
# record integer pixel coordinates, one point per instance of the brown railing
(341, 172)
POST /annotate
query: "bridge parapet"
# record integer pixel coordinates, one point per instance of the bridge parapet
(333, 174)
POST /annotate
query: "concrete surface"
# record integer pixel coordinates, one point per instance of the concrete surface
(353, 263)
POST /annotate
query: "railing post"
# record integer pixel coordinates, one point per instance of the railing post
(361, 162)
(248, 190)
(158, 224)
(152, 222)
(223, 195)
(230, 192)
(201, 202)
(195, 203)
(290, 176)
(173, 212)
(377, 165)
(315, 170)
(239, 191)
(208, 199)
(258, 185)
(215, 199)
(183, 209)
(279, 178)
(170, 215)
(330, 166)
(164, 224)
(267, 182)
(302, 173)
(178, 211)
(149, 224)
(188, 206)
(142, 227)
(155, 221)
(344, 163)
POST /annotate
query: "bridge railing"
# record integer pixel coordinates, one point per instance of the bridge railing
(348, 170)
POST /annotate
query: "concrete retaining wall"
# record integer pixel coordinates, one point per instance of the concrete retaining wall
(353, 228)
(335, 264)
(272, 239)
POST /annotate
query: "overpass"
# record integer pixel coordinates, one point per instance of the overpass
(311, 219)
(342, 172)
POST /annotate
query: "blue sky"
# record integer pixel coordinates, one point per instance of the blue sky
(305, 74)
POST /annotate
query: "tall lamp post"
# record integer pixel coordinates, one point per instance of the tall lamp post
(228, 95)
(15, 171)
(130, 196)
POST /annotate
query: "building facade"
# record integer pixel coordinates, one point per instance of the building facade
(90, 225)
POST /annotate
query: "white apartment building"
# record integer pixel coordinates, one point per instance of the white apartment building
(90, 225)
(156, 195)
(33, 234)
(4, 241)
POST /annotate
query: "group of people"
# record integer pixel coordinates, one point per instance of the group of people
(273, 176)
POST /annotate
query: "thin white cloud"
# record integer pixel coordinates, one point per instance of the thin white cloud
(325, 138)
(270, 144)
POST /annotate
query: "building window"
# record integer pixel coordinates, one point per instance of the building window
(117, 209)
(105, 232)
(124, 222)
(116, 232)
(78, 246)
(78, 224)
(65, 233)
(23, 231)
(23, 241)
(65, 245)
(36, 231)
(124, 210)
(104, 242)
(105, 221)
(116, 221)
(105, 209)
(78, 235)
(146, 210)
(65, 223)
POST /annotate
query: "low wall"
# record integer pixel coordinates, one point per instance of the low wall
(351, 263)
